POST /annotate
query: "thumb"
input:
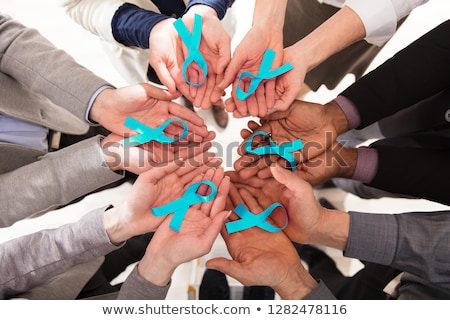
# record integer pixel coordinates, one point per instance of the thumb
(288, 179)
(224, 265)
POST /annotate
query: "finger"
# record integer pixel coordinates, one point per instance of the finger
(158, 173)
(220, 201)
(182, 112)
(261, 105)
(234, 195)
(216, 180)
(229, 267)
(165, 77)
(250, 202)
(269, 94)
(211, 233)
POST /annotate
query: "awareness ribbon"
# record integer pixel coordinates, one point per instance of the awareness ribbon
(192, 42)
(263, 73)
(284, 150)
(147, 134)
(249, 220)
(180, 206)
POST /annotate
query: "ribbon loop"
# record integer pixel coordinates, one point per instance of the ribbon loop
(264, 72)
(284, 150)
(249, 220)
(181, 205)
(192, 42)
(147, 134)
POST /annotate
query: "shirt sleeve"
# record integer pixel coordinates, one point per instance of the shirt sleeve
(380, 17)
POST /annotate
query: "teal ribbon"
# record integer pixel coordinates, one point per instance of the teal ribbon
(180, 206)
(284, 150)
(263, 73)
(192, 42)
(147, 134)
(249, 220)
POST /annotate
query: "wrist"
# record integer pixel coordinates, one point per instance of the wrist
(333, 229)
(297, 284)
(350, 157)
(270, 13)
(337, 117)
(112, 154)
(115, 227)
(99, 104)
(155, 269)
(202, 10)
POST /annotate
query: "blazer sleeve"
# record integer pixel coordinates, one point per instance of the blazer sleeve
(33, 259)
(53, 177)
(415, 73)
(415, 242)
(29, 58)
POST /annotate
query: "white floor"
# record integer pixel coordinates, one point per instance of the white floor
(48, 17)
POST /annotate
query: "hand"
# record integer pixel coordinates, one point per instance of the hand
(153, 188)
(309, 222)
(145, 103)
(215, 47)
(288, 85)
(201, 226)
(316, 125)
(248, 57)
(150, 155)
(263, 258)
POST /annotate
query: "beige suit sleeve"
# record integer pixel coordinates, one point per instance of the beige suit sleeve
(58, 178)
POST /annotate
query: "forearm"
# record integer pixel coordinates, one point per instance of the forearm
(33, 259)
(32, 60)
(411, 242)
(269, 13)
(415, 73)
(421, 172)
(58, 178)
(342, 29)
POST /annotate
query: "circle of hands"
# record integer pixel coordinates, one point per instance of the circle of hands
(258, 257)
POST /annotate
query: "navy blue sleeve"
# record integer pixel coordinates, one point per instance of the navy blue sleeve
(131, 25)
(221, 6)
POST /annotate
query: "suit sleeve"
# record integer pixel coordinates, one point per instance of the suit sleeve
(29, 58)
(33, 259)
(415, 73)
(415, 242)
(53, 177)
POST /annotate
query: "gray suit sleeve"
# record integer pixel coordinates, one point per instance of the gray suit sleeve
(136, 287)
(415, 242)
(58, 178)
(32, 60)
(33, 259)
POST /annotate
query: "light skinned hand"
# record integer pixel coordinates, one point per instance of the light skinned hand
(151, 155)
(248, 57)
(152, 188)
(215, 47)
(147, 104)
(309, 222)
(200, 228)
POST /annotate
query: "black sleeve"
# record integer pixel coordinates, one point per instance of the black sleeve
(417, 72)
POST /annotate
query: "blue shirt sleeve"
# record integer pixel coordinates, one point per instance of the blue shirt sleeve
(131, 25)
(221, 6)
